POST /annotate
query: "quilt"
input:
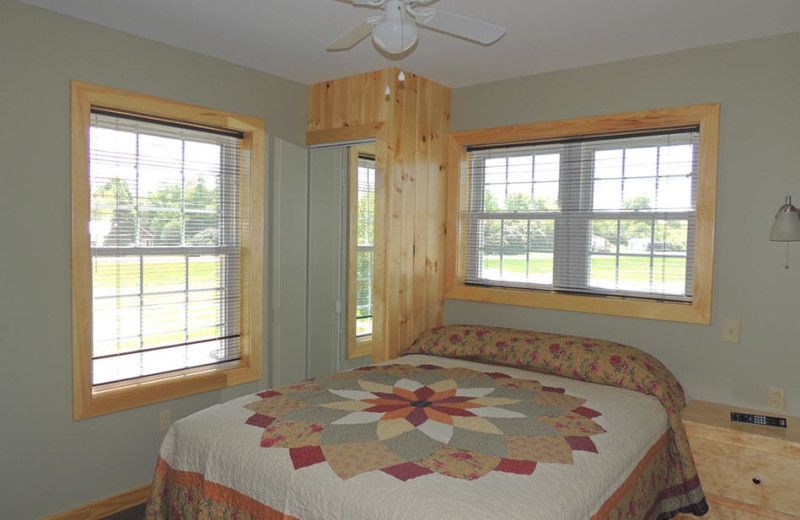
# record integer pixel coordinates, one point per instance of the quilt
(408, 421)
(435, 434)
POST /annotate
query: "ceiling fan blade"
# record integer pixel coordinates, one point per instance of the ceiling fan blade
(458, 25)
(349, 39)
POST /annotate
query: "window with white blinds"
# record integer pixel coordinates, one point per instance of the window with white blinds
(365, 244)
(167, 249)
(164, 247)
(361, 212)
(609, 215)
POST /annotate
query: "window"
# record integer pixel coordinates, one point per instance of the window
(361, 259)
(166, 249)
(611, 215)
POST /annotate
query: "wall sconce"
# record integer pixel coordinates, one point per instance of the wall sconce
(786, 227)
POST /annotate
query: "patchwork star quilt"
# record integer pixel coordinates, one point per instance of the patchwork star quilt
(409, 421)
(470, 422)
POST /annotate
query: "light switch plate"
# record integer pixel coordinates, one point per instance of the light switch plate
(730, 330)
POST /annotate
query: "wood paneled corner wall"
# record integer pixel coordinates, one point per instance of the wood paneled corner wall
(411, 127)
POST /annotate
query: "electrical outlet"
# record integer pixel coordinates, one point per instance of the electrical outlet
(776, 399)
(164, 420)
(730, 330)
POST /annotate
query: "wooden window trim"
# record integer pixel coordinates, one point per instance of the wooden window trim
(88, 402)
(698, 311)
(356, 346)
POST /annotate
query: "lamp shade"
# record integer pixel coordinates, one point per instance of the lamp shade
(395, 36)
(786, 227)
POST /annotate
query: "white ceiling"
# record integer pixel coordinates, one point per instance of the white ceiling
(288, 37)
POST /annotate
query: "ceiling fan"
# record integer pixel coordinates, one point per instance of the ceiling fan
(395, 31)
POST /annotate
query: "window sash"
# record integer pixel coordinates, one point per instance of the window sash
(91, 401)
(360, 253)
(572, 214)
(365, 246)
(137, 328)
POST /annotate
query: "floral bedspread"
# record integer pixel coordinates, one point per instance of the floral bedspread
(584, 359)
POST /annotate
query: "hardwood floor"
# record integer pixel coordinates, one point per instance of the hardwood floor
(134, 513)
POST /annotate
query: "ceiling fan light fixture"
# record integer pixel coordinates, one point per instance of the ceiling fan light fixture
(395, 36)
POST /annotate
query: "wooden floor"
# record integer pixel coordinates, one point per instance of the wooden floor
(134, 513)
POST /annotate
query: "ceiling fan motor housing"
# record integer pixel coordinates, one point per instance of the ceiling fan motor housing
(397, 33)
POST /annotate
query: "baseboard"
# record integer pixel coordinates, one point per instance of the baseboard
(107, 506)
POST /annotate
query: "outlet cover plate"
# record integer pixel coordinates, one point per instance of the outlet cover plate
(776, 400)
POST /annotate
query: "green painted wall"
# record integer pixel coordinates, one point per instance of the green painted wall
(50, 463)
(758, 84)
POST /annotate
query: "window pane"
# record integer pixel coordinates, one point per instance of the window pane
(607, 195)
(603, 198)
(656, 255)
(163, 319)
(517, 251)
(159, 192)
(116, 325)
(164, 273)
(495, 171)
(546, 196)
(204, 272)
(674, 194)
(204, 315)
(495, 197)
(520, 169)
(639, 194)
(535, 268)
(604, 271)
(365, 222)
(519, 197)
(366, 202)
(605, 235)
(641, 162)
(608, 164)
(160, 361)
(675, 160)
(547, 167)
(364, 276)
(636, 235)
(206, 353)
(116, 369)
(112, 276)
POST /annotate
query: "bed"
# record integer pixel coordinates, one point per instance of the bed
(468, 423)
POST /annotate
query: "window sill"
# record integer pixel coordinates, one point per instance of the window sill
(113, 398)
(360, 348)
(693, 312)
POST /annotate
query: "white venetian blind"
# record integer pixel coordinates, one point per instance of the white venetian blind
(365, 246)
(602, 215)
(165, 246)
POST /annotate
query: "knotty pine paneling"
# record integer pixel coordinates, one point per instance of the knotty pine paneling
(411, 196)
